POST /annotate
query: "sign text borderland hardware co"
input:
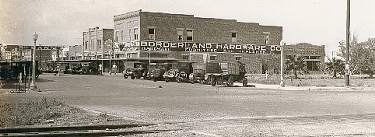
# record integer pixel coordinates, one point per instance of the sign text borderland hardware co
(201, 47)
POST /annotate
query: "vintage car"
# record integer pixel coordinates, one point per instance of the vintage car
(171, 75)
(133, 73)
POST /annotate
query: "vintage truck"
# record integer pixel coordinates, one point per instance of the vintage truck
(225, 73)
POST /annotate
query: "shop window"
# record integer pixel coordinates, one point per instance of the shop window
(151, 33)
(189, 34)
(185, 57)
(213, 57)
(314, 57)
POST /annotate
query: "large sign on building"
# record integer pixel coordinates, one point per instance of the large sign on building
(201, 47)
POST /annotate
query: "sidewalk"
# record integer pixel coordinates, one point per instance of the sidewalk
(309, 88)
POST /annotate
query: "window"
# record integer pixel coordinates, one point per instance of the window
(266, 37)
(238, 58)
(135, 33)
(234, 36)
(185, 57)
(99, 44)
(122, 35)
(151, 33)
(180, 34)
(314, 57)
(86, 45)
(130, 34)
(116, 35)
(213, 57)
(189, 34)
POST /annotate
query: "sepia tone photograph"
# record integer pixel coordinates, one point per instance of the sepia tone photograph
(187, 68)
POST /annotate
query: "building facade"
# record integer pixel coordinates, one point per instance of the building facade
(313, 55)
(72, 52)
(96, 43)
(163, 36)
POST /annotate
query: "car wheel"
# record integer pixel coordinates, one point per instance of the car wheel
(244, 82)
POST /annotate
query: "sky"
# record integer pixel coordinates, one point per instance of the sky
(61, 22)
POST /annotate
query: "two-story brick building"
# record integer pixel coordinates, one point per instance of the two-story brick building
(160, 37)
(94, 43)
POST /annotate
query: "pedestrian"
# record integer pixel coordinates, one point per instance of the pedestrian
(100, 69)
(114, 68)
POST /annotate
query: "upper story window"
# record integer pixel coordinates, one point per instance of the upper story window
(180, 34)
(189, 34)
(136, 36)
(122, 35)
(266, 37)
(116, 35)
(99, 44)
(151, 33)
(234, 36)
(130, 34)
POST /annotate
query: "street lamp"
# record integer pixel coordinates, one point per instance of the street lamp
(33, 84)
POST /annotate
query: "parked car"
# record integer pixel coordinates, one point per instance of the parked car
(133, 73)
(157, 74)
(171, 75)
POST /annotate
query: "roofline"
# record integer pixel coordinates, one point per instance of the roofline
(138, 12)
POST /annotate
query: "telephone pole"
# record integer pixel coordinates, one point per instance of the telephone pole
(347, 67)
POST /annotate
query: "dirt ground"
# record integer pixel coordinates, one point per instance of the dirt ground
(35, 109)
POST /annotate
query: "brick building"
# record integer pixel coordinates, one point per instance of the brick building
(72, 52)
(94, 43)
(162, 36)
(313, 55)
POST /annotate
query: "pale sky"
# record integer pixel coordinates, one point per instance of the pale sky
(61, 22)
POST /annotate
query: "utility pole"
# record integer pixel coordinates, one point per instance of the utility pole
(282, 84)
(347, 67)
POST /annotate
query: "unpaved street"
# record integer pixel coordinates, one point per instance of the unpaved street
(202, 110)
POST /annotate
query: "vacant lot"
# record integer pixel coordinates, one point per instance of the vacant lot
(313, 80)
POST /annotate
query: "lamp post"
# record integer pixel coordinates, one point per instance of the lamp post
(282, 84)
(33, 84)
(347, 67)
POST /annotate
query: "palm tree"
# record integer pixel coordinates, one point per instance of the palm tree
(296, 65)
(334, 66)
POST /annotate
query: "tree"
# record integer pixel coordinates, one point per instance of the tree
(296, 65)
(362, 56)
(334, 66)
